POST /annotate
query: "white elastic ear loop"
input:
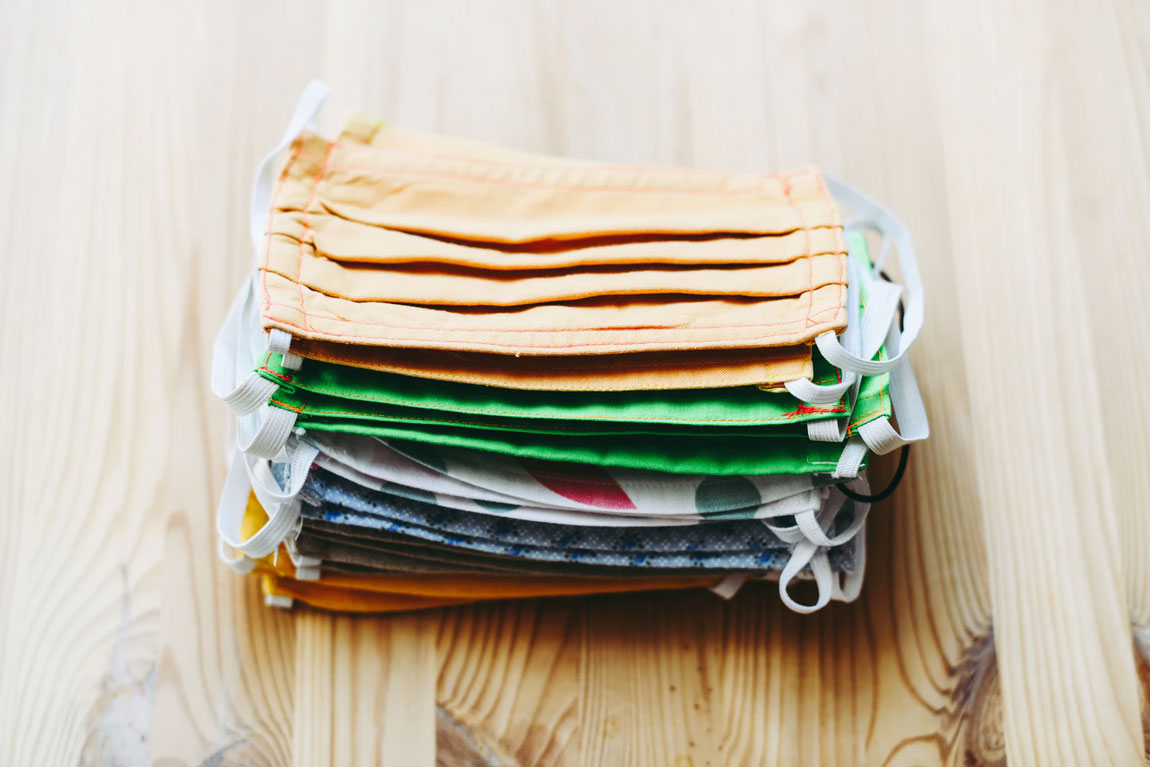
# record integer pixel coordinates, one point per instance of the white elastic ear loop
(807, 551)
(280, 504)
(279, 343)
(230, 515)
(309, 104)
(824, 514)
(233, 380)
(813, 526)
(300, 456)
(884, 221)
(850, 459)
(265, 432)
(906, 405)
(803, 553)
(848, 586)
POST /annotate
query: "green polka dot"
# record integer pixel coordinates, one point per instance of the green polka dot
(411, 493)
(496, 506)
(725, 493)
(747, 513)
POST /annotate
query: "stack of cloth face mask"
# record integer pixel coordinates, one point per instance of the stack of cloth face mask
(462, 372)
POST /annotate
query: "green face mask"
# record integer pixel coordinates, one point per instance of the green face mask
(673, 453)
(326, 389)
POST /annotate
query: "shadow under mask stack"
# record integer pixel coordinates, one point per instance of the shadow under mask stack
(461, 372)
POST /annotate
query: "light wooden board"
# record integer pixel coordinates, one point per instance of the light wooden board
(1004, 575)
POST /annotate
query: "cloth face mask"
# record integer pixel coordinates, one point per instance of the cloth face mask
(321, 389)
(530, 198)
(374, 592)
(404, 195)
(638, 371)
(390, 592)
(790, 453)
(323, 487)
(556, 492)
(743, 545)
(343, 550)
(397, 532)
(726, 408)
(525, 512)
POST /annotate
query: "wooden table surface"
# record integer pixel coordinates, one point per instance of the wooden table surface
(1008, 584)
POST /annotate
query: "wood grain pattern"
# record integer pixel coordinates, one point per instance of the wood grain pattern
(365, 690)
(1005, 574)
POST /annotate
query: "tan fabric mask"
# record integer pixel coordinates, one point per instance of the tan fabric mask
(448, 284)
(770, 368)
(734, 261)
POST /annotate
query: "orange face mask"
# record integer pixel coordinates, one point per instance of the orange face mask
(647, 371)
(392, 239)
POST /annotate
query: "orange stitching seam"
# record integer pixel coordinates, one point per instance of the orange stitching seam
(306, 409)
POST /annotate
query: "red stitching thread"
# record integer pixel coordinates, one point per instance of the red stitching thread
(269, 371)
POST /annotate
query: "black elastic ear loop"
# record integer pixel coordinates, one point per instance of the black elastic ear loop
(901, 310)
(886, 492)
